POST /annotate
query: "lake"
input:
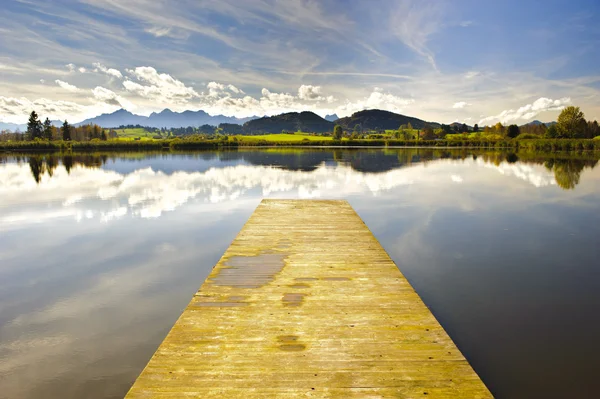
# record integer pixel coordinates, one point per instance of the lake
(100, 253)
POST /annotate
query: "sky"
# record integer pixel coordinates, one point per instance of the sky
(471, 61)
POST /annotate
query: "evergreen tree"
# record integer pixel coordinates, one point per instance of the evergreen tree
(34, 127)
(513, 131)
(47, 129)
(476, 128)
(103, 137)
(66, 131)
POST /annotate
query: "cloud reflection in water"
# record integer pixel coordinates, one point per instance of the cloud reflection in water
(96, 193)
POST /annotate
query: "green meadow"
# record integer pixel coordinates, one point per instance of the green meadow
(281, 137)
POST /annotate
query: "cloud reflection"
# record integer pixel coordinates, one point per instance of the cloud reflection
(96, 193)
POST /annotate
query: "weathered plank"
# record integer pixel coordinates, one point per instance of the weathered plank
(306, 303)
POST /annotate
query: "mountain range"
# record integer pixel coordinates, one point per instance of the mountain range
(292, 121)
(14, 126)
(166, 118)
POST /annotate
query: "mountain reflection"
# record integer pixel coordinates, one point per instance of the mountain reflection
(567, 168)
(112, 186)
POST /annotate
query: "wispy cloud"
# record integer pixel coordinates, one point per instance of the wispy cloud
(414, 22)
(159, 31)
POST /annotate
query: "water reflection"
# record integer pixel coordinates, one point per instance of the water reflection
(94, 186)
(502, 247)
(567, 168)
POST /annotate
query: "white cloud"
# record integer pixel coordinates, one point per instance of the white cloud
(108, 71)
(215, 89)
(277, 100)
(466, 24)
(460, 105)
(313, 93)
(107, 96)
(67, 86)
(528, 111)
(219, 89)
(42, 81)
(70, 67)
(82, 69)
(160, 87)
(376, 100)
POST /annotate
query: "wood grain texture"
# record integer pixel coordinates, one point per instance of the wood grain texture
(306, 303)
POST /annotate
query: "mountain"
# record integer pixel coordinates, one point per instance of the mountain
(116, 119)
(168, 118)
(14, 126)
(291, 122)
(376, 119)
(536, 122)
(165, 118)
(332, 118)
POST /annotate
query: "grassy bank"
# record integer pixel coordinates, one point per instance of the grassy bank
(547, 145)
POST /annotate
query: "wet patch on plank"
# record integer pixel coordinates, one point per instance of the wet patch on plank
(293, 299)
(249, 271)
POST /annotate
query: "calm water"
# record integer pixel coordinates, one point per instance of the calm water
(100, 254)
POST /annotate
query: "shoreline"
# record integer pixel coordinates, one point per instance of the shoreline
(550, 145)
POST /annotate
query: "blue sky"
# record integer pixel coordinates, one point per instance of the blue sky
(464, 60)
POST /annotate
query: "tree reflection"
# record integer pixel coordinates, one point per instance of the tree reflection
(567, 167)
(42, 164)
(568, 172)
(36, 164)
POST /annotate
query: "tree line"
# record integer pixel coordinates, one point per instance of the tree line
(38, 130)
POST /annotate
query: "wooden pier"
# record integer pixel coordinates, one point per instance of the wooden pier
(306, 303)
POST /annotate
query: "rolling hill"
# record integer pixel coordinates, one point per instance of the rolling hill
(376, 119)
(291, 122)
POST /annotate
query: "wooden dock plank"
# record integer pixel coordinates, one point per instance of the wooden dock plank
(306, 303)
